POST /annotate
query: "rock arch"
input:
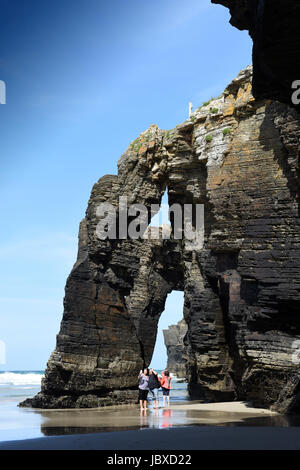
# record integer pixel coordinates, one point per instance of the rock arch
(237, 156)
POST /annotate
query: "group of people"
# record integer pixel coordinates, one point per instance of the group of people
(151, 382)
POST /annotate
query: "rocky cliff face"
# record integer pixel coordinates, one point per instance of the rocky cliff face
(174, 341)
(274, 28)
(238, 157)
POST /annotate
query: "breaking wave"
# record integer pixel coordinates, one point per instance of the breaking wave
(21, 378)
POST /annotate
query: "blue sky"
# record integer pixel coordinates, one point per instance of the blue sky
(84, 79)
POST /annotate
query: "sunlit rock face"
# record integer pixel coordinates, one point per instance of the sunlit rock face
(274, 28)
(239, 158)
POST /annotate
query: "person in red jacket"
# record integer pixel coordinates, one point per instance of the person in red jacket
(165, 382)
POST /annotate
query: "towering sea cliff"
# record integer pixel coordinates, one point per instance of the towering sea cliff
(239, 157)
(174, 341)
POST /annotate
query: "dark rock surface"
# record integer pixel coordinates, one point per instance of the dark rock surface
(238, 157)
(174, 341)
(274, 28)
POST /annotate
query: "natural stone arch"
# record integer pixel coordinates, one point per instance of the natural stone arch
(238, 286)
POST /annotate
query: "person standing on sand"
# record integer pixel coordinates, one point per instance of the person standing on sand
(143, 388)
(154, 385)
(165, 382)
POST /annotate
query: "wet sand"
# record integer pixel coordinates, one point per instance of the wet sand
(183, 425)
(54, 422)
(130, 417)
(188, 438)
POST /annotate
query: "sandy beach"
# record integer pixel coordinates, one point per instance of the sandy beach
(130, 417)
(184, 425)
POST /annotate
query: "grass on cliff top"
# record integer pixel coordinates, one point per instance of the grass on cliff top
(169, 134)
(206, 103)
(226, 131)
(137, 143)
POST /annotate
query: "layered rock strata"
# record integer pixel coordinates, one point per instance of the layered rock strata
(239, 158)
(174, 342)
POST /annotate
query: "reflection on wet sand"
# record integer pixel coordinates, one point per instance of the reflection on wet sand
(55, 422)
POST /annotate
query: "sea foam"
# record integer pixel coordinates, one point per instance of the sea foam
(17, 378)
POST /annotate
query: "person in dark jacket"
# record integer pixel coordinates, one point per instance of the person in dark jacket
(154, 385)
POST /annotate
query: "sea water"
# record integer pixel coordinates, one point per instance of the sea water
(25, 384)
(16, 386)
(17, 383)
(25, 423)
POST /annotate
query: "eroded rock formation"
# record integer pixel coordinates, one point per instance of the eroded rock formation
(174, 341)
(274, 27)
(238, 157)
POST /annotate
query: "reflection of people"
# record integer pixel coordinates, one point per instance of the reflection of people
(154, 385)
(143, 418)
(143, 388)
(166, 423)
(165, 382)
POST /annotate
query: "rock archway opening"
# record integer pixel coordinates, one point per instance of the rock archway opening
(162, 216)
(169, 346)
